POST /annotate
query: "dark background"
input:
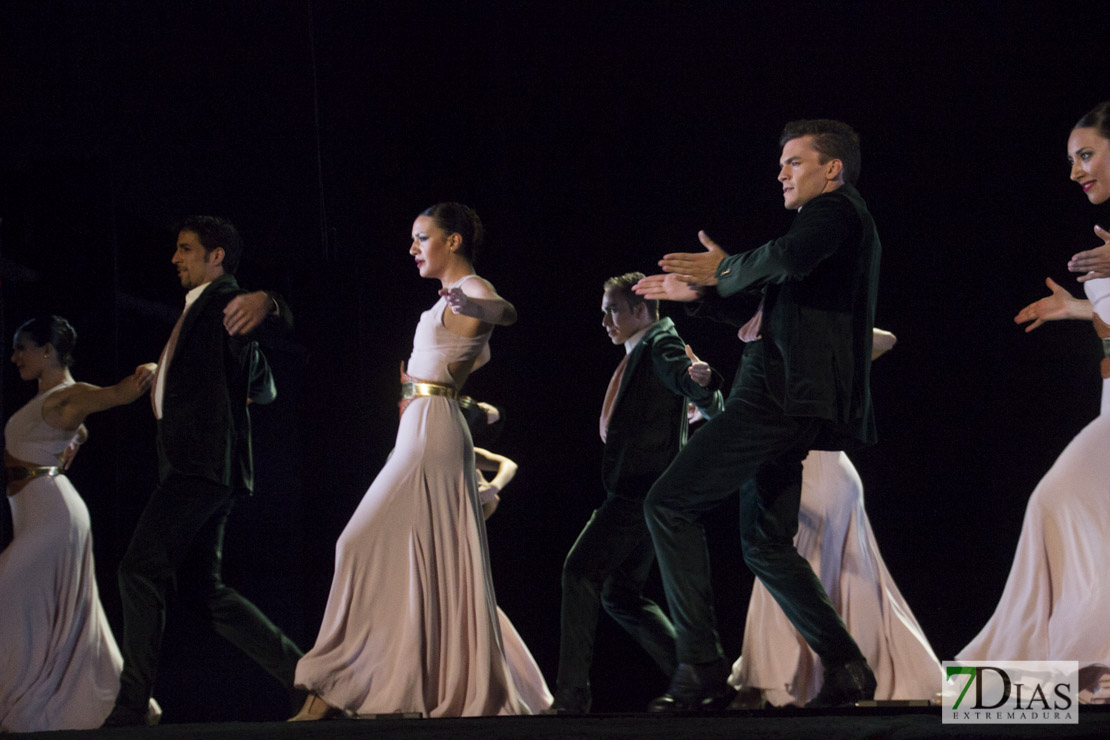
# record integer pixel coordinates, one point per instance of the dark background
(592, 138)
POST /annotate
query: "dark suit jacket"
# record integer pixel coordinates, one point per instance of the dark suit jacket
(819, 284)
(648, 424)
(205, 427)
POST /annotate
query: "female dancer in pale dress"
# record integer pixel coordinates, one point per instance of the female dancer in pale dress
(59, 664)
(1057, 597)
(411, 623)
(834, 535)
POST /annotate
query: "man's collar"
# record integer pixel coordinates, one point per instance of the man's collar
(193, 294)
(632, 341)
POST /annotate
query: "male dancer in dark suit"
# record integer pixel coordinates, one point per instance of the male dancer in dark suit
(208, 370)
(643, 426)
(804, 386)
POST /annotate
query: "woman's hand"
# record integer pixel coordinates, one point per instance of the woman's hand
(479, 301)
(1060, 305)
(693, 414)
(70, 452)
(493, 414)
(138, 382)
(1094, 263)
(457, 300)
(488, 493)
(488, 507)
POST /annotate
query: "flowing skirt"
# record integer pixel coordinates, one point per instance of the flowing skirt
(527, 678)
(1057, 597)
(59, 664)
(835, 536)
(411, 623)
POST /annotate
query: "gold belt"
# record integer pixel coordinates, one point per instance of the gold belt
(416, 389)
(18, 473)
(412, 388)
(410, 391)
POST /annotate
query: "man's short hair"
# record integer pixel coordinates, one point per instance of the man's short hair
(214, 232)
(831, 139)
(622, 285)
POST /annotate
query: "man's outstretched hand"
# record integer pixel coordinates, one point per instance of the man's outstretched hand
(667, 288)
(699, 268)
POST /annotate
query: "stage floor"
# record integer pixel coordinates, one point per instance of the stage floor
(1094, 722)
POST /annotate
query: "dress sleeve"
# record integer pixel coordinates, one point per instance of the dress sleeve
(1100, 303)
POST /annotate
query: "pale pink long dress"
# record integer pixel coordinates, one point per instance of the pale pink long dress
(1057, 596)
(525, 672)
(411, 623)
(59, 664)
(527, 677)
(835, 536)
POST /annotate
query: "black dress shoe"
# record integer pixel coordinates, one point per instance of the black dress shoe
(575, 700)
(696, 687)
(122, 716)
(845, 685)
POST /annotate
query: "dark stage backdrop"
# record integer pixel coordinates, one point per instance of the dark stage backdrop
(591, 138)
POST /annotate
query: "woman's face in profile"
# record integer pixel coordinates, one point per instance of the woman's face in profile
(1089, 155)
(27, 357)
(429, 247)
